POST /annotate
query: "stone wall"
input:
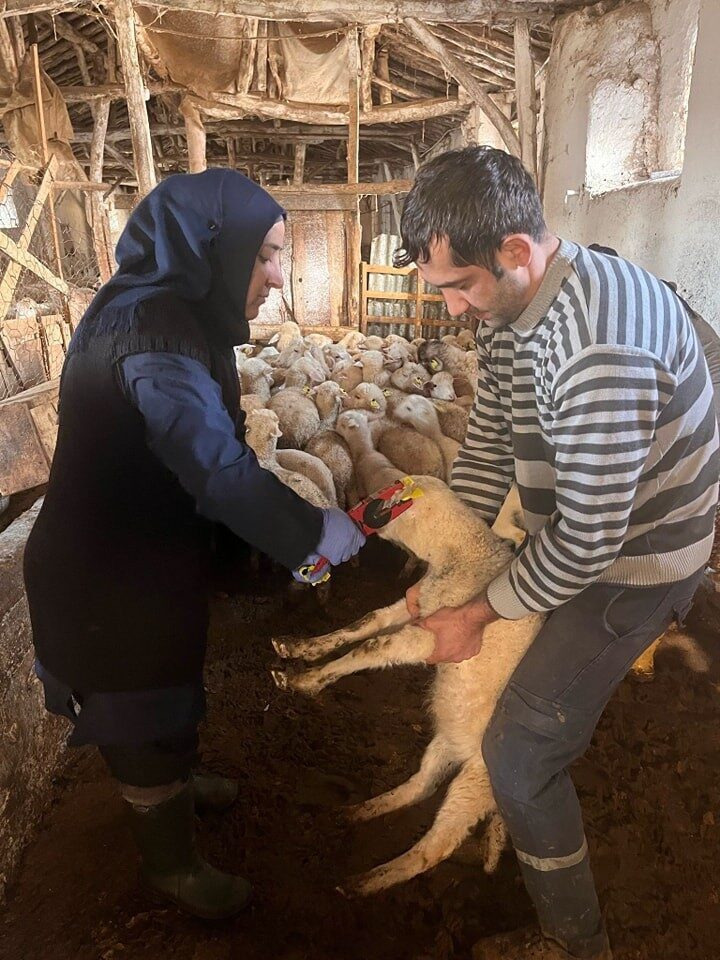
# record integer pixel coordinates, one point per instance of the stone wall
(31, 741)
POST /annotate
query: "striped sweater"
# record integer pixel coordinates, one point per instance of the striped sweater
(598, 403)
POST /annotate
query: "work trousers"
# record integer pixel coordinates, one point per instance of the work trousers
(545, 719)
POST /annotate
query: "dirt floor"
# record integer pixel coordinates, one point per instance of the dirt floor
(650, 786)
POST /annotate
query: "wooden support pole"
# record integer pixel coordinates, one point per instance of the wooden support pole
(465, 78)
(299, 171)
(232, 159)
(353, 150)
(135, 93)
(196, 139)
(525, 96)
(383, 71)
(368, 64)
(393, 198)
(98, 216)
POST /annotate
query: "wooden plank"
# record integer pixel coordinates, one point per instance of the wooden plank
(383, 69)
(45, 418)
(525, 96)
(11, 276)
(21, 338)
(9, 178)
(404, 295)
(53, 335)
(135, 93)
(354, 257)
(23, 462)
(47, 392)
(26, 259)
(247, 63)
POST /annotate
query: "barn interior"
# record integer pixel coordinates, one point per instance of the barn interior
(612, 107)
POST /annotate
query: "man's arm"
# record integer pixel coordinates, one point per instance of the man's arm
(607, 402)
(485, 467)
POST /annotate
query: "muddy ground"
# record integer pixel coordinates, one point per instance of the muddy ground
(649, 785)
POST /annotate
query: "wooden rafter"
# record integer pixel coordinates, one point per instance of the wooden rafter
(466, 79)
(365, 11)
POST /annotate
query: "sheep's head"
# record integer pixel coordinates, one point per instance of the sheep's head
(411, 378)
(291, 354)
(352, 423)
(396, 353)
(262, 431)
(432, 355)
(328, 399)
(440, 386)
(366, 396)
(373, 343)
(466, 340)
(349, 377)
(417, 412)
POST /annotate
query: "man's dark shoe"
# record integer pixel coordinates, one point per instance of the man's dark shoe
(213, 793)
(527, 944)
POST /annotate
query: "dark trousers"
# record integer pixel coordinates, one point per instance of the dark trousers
(545, 719)
(152, 764)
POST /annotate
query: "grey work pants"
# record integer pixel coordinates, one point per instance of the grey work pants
(545, 719)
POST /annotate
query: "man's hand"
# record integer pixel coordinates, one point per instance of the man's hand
(458, 630)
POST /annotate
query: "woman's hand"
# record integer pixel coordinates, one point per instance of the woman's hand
(341, 537)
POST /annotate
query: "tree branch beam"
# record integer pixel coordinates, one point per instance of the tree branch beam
(465, 79)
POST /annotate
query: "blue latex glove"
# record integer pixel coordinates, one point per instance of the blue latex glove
(341, 539)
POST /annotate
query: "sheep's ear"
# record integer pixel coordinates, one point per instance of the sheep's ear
(273, 339)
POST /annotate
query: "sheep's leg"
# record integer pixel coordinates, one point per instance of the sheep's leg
(396, 615)
(435, 766)
(469, 799)
(411, 644)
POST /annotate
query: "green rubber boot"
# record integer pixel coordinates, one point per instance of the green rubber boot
(172, 869)
(213, 793)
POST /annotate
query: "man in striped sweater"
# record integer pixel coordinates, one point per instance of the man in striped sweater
(594, 397)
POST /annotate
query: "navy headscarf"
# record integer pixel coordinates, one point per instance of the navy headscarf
(196, 236)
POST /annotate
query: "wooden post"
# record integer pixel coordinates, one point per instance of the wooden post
(135, 93)
(196, 139)
(232, 160)
(464, 76)
(393, 198)
(353, 171)
(525, 96)
(368, 64)
(363, 297)
(98, 216)
(299, 171)
(419, 290)
(45, 155)
(383, 71)
(247, 59)
(353, 154)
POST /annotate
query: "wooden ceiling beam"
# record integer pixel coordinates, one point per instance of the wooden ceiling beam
(365, 11)
(465, 78)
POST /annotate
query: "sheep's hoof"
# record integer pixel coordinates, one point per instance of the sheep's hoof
(280, 678)
(280, 648)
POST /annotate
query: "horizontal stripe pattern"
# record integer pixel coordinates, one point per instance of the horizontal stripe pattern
(597, 401)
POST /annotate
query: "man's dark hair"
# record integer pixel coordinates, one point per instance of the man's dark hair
(476, 197)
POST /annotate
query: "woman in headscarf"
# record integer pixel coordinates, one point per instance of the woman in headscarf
(150, 454)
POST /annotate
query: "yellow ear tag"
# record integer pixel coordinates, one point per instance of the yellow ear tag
(374, 404)
(306, 390)
(435, 364)
(386, 393)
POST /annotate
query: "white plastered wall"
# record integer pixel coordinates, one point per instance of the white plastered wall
(668, 225)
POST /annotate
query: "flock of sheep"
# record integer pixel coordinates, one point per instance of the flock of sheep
(316, 411)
